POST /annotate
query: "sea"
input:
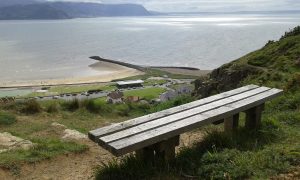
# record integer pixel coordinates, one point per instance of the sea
(57, 49)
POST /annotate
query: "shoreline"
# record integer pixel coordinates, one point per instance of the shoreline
(114, 70)
(110, 71)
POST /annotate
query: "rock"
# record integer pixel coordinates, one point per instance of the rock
(225, 78)
(55, 124)
(9, 142)
(70, 134)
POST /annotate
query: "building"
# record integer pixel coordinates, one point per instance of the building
(129, 84)
(167, 96)
(115, 97)
(133, 99)
(184, 90)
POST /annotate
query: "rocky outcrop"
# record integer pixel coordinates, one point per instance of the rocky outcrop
(70, 134)
(224, 78)
(9, 142)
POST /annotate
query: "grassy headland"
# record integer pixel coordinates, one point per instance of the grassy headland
(261, 154)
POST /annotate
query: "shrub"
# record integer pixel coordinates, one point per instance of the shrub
(293, 32)
(31, 107)
(294, 83)
(260, 60)
(91, 106)
(7, 119)
(53, 108)
(72, 105)
(122, 109)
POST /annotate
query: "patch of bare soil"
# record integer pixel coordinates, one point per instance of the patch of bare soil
(77, 166)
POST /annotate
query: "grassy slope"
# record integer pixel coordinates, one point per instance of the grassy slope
(272, 150)
(32, 121)
(148, 94)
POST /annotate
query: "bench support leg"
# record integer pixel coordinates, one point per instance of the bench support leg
(146, 154)
(253, 117)
(231, 123)
(164, 150)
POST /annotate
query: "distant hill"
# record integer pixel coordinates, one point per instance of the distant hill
(19, 10)
(31, 11)
(5, 3)
(96, 9)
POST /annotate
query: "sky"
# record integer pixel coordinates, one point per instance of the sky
(208, 5)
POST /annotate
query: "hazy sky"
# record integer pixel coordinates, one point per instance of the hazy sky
(208, 5)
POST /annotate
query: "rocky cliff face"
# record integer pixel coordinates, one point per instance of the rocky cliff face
(225, 78)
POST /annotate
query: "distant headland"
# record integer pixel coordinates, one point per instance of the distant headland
(31, 10)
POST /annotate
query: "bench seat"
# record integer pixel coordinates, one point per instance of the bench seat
(142, 132)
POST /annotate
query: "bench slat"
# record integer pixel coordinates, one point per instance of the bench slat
(95, 134)
(153, 136)
(179, 116)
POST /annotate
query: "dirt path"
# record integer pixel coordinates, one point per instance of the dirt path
(75, 166)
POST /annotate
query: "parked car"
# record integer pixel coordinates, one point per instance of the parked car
(55, 97)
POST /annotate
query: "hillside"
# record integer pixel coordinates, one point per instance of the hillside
(18, 10)
(277, 64)
(273, 152)
(5, 3)
(31, 11)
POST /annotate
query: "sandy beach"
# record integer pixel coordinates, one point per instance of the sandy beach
(107, 72)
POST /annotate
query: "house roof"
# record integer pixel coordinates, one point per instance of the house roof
(116, 95)
(130, 82)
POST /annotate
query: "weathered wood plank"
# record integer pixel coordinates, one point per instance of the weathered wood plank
(95, 134)
(179, 116)
(153, 136)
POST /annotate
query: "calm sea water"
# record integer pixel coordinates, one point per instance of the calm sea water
(36, 50)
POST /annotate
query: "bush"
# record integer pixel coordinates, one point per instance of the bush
(7, 119)
(294, 83)
(31, 107)
(71, 105)
(53, 108)
(260, 60)
(91, 106)
(293, 32)
(122, 109)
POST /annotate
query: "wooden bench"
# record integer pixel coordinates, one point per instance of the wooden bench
(158, 134)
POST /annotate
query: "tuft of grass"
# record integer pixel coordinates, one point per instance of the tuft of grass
(43, 149)
(7, 119)
(72, 105)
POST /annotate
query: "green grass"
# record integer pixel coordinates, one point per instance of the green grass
(80, 88)
(69, 89)
(44, 149)
(7, 119)
(148, 93)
